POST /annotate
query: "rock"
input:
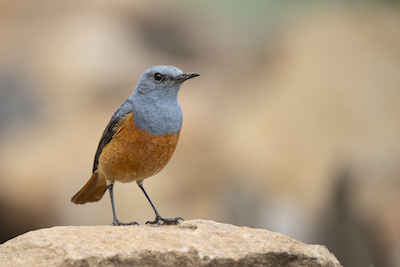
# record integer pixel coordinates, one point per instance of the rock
(192, 243)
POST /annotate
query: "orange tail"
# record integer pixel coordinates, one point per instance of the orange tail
(92, 191)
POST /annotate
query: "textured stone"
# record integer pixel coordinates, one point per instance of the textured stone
(193, 243)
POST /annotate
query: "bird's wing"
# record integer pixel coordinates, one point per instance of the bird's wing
(109, 132)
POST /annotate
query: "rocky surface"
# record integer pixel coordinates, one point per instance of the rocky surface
(193, 243)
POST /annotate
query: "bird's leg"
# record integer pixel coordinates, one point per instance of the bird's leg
(115, 220)
(159, 219)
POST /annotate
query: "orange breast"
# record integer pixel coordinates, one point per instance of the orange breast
(135, 154)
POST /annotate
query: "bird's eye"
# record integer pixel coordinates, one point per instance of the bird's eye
(158, 76)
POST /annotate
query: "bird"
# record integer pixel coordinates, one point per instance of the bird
(139, 139)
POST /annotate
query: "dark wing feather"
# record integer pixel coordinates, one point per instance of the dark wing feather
(109, 132)
(105, 139)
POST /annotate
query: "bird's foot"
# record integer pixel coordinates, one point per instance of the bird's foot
(165, 221)
(117, 223)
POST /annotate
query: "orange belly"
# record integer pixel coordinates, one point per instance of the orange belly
(135, 154)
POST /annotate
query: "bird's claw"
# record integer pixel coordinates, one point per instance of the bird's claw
(118, 223)
(165, 221)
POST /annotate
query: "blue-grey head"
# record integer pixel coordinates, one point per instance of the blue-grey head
(155, 99)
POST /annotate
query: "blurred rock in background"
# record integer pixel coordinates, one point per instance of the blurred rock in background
(294, 125)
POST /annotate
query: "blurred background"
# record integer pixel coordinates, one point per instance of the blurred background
(293, 126)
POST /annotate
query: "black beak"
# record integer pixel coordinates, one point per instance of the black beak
(186, 76)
